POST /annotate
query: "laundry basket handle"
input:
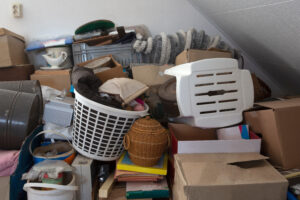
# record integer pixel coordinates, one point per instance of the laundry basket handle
(126, 141)
(52, 186)
(43, 132)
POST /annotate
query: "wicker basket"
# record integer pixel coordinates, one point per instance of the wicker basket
(146, 141)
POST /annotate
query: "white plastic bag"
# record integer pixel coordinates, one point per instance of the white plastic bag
(66, 131)
(51, 167)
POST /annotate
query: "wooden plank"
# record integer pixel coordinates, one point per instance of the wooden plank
(106, 186)
(118, 192)
(84, 170)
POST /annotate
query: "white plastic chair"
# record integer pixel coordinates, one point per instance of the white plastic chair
(212, 93)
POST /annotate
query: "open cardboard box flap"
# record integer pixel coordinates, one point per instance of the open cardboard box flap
(115, 71)
(185, 132)
(278, 123)
(286, 103)
(192, 55)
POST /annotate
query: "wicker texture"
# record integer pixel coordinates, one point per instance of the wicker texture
(146, 141)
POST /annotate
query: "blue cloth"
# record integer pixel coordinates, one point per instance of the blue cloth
(290, 196)
(72, 89)
(245, 133)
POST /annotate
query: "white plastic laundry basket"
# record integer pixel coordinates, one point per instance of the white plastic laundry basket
(98, 130)
(213, 92)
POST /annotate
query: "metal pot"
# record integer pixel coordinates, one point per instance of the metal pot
(19, 115)
(27, 86)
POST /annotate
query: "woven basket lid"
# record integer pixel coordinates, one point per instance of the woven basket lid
(148, 125)
(167, 91)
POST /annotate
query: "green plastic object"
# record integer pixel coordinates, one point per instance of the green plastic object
(58, 180)
(101, 24)
(147, 194)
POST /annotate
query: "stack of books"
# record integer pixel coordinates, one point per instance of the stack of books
(143, 182)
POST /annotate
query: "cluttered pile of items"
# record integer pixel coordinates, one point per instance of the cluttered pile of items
(115, 113)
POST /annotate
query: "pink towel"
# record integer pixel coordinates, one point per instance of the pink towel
(8, 162)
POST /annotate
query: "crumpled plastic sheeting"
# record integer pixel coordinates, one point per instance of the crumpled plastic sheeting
(51, 167)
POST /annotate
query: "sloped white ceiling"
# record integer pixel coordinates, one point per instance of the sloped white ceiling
(267, 30)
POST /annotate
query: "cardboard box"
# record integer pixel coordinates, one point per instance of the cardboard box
(16, 73)
(192, 55)
(116, 70)
(238, 176)
(278, 123)
(150, 74)
(188, 139)
(4, 187)
(11, 49)
(58, 79)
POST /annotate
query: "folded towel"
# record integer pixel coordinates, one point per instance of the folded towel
(8, 162)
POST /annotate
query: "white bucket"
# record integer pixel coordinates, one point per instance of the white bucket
(61, 192)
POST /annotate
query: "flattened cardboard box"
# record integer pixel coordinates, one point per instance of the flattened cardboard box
(11, 49)
(278, 123)
(192, 55)
(236, 176)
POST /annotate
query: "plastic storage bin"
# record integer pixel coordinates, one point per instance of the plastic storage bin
(98, 130)
(212, 93)
(123, 53)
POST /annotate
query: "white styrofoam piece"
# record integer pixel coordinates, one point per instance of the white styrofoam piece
(197, 80)
(219, 146)
(66, 101)
(84, 177)
(230, 133)
(58, 112)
